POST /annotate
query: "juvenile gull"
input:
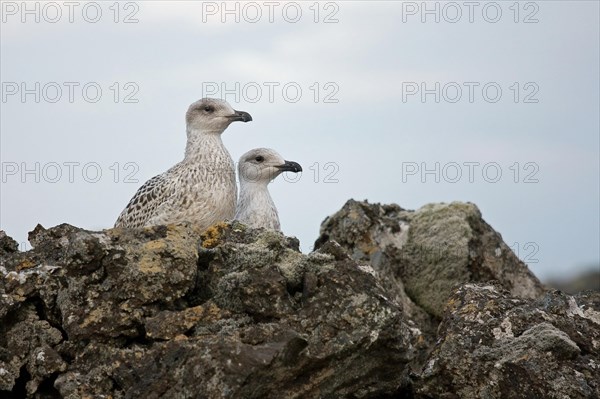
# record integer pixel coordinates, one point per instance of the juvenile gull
(200, 189)
(256, 170)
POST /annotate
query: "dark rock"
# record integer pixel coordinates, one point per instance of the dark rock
(167, 312)
(7, 244)
(423, 255)
(234, 312)
(493, 345)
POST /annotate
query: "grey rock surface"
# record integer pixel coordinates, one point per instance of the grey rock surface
(428, 252)
(167, 312)
(7, 244)
(493, 345)
(392, 304)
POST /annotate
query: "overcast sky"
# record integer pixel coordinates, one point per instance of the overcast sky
(488, 102)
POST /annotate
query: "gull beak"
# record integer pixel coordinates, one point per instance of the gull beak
(240, 116)
(290, 166)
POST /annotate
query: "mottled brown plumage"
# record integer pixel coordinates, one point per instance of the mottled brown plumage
(200, 189)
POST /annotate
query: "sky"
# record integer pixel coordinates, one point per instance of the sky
(495, 103)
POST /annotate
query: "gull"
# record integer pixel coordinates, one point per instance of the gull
(257, 168)
(201, 189)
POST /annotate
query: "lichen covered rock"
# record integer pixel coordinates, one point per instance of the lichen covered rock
(425, 254)
(168, 312)
(493, 345)
(392, 304)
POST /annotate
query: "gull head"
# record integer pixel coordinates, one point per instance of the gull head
(212, 115)
(261, 165)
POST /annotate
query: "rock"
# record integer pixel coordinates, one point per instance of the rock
(234, 312)
(7, 244)
(424, 254)
(167, 312)
(493, 345)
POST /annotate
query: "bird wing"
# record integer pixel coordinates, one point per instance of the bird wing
(145, 202)
(204, 195)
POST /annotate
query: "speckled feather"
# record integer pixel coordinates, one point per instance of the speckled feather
(200, 189)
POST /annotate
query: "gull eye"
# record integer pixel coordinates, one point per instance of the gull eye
(259, 158)
(209, 108)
